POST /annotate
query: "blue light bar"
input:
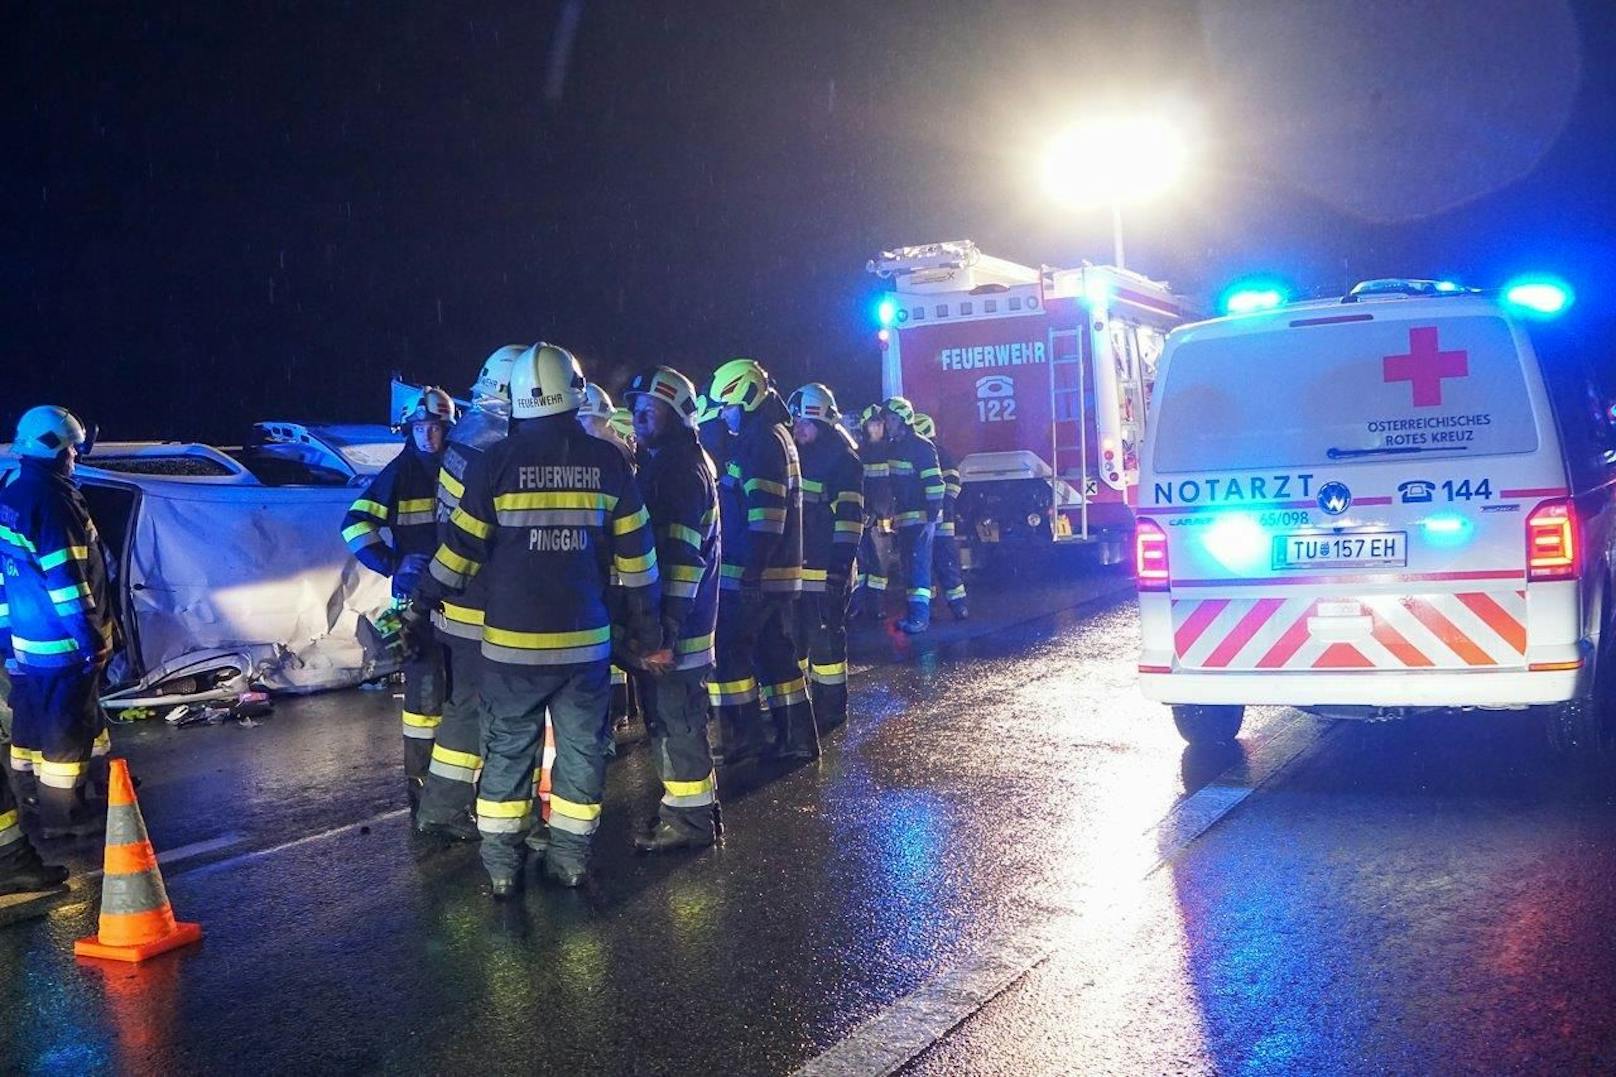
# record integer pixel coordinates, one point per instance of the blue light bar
(1538, 297)
(886, 312)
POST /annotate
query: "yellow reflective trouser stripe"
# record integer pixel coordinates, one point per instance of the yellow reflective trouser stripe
(468, 760)
(370, 508)
(59, 775)
(503, 809)
(829, 669)
(23, 758)
(695, 644)
(504, 637)
(572, 809)
(682, 573)
(456, 488)
(470, 524)
(768, 486)
(101, 745)
(503, 816)
(689, 789)
(815, 574)
(63, 556)
(421, 726)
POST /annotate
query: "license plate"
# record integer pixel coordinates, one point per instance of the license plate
(1358, 550)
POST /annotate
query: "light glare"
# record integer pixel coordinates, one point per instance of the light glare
(1114, 161)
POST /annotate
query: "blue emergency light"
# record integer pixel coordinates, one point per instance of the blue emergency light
(1538, 296)
(886, 312)
(1250, 296)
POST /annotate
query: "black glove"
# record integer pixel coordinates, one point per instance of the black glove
(415, 621)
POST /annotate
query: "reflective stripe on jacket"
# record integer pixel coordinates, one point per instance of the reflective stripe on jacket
(57, 603)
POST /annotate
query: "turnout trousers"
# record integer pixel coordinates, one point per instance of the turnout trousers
(915, 553)
(676, 711)
(822, 636)
(946, 563)
(425, 686)
(457, 752)
(58, 736)
(757, 660)
(513, 707)
(874, 557)
(14, 844)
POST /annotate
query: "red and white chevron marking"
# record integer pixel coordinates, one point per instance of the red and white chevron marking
(1478, 629)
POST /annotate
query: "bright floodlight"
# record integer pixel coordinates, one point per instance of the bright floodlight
(1114, 161)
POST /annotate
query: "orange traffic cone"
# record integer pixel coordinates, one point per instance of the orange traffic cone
(137, 921)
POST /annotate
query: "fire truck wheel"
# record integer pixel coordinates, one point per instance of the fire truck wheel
(1201, 724)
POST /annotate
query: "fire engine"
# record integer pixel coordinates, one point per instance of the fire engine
(1039, 381)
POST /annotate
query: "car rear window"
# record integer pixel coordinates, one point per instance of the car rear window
(1288, 397)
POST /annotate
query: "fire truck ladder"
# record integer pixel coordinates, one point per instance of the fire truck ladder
(1071, 434)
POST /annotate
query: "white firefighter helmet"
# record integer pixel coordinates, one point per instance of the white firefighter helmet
(44, 432)
(494, 380)
(546, 380)
(432, 404)
(621, 423)
(814, 401)
(672, 388)
(597, 403)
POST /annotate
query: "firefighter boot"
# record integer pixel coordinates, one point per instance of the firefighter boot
(456, 828)
(29, 874)
(677, 829)
(798, 737)
(919, 619)
(959, 609)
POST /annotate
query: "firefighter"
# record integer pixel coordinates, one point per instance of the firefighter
(945, 551)
(760, 505)
(875, 548)
(679, 483)
(451, 779)
(917, 504)
(402, 498)
(832, 525)
(546, 516)
(712, 433)
(599, 417)
(62, 631)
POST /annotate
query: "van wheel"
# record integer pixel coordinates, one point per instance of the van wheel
(1202, 724)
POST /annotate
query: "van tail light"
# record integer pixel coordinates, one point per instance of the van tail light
(1150, 556)
(1553, 547)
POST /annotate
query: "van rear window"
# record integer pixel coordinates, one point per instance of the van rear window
(1314, 395)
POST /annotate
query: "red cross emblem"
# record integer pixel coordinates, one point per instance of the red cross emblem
(1424, 366)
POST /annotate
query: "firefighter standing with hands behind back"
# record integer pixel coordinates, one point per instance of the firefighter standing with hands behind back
(945, 552)
(760, 504)
(917, 502)
(678, 481)
(547, 516)
(832, 524)
(402, 498)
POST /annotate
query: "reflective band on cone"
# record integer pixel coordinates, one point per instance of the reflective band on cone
(137, 920)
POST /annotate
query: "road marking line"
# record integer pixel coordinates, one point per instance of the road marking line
(182, 853)
(259, 854)
(889, 1040)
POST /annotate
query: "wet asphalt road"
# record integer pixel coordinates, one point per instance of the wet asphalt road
(1005, 833)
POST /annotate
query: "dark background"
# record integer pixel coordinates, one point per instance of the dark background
(216, 213)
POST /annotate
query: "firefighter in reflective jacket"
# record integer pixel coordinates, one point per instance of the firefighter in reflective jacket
(59, 611)
(451, 780)
(832, 525)
(917, 505)
(945, 551)
(875, 548)
(546, 516)
(760, 504)
(402, 499)
(679, 483)
(599, 418)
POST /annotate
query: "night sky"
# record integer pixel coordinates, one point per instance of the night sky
(218, 213)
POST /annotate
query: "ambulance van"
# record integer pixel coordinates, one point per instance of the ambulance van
(1375, 506)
